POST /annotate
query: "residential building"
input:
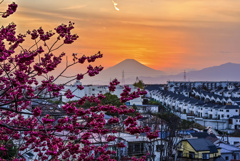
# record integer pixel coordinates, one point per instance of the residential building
(198, 149)
(229, 152)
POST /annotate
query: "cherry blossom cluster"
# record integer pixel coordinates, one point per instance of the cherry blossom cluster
(11, 9)
(56, 133)
(126, 95)
(113, 85)
(153, 135)
(94, 71)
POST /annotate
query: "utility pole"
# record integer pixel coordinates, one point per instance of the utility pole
(123, 78)
(184, 75)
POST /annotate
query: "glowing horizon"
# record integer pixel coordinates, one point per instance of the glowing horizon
(164, 35)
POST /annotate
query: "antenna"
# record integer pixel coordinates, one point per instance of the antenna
(137, 79)
(185, 76)
(123, 79)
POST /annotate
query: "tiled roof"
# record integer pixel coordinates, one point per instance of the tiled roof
(230, 107)
(235, 99)
(228, 147)
(152, 87)
(219, 159)
(202, 145)
(205, 135)
(236, 117)
(202, 135)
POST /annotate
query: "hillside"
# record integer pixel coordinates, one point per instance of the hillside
(133, 69)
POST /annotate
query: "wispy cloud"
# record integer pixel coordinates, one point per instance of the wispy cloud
(173, 33)
(73, 7)
(115, 5)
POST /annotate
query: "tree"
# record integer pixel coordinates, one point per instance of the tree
(139, 84)
(68, 132)
(10, 148)
(168, 129)
(111, 99)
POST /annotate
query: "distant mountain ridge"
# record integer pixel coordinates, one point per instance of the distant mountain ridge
(224, 72)
(129, 69)
(228, 71)
(133, 69)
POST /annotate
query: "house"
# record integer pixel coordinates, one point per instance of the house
(206, 84)
(224, 100)
(234, 122)
(218, 100)
(227, 93)
(229, 152)
(119, 89)
(147, 108)
(75, 91)
(197, 94)
(213, 112)
(94, 90)
(134, 146)
(236, 93)
(235, 101)
(205, 135)
(219, 92)
(213, 98)
(227, 111)
(203, 111)
(207, 97)
(197, 149)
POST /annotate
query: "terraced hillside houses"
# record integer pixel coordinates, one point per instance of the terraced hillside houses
(205, 84)
(216, 108)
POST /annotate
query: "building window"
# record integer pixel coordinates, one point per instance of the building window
(191, 155)
(130, 149)
(205, 156)
(180, 154)
(139, 147)
(159, 147)
(227, 116)
(222, 115)
(236, 110)
(227, 110)
(226, 158)
(234, 156)
(134, 149)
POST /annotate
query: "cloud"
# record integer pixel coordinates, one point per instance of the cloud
(115, 5)
(73, 7)
(155, 32)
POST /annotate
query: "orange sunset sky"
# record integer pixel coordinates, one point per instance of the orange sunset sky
(168, 35)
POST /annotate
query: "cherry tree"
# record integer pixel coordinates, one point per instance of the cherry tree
(65, 135)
